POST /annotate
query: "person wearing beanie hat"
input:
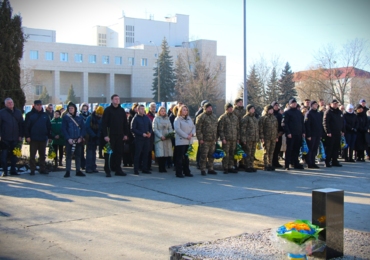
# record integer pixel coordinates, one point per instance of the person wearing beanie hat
(239, 111)
(351, 125)
(206, 129)
(293, 123)
(268, 134)
(58, 138)
(279, 117)
(93, 134)
(249, 136)
(228, 131)
(334, 128)
(363, 126)
(73, 129)
(206, 105)
(37, 133)
(313, 125)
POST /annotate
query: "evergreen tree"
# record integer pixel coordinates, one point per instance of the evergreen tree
(71, 96)
(167, 78)
(44, 97)
(286, 85)
(272, 91)
(11, 51)
(255, 94)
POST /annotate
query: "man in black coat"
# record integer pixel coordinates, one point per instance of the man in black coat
(11, 132)
(313, 126)
(334, 128)
(293, 123)
(279, 117)
(115, 131)
(37, 133)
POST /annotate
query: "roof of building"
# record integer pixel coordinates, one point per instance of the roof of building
(340, 73)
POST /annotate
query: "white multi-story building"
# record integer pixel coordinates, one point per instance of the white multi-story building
(129, 32)
(97, 72)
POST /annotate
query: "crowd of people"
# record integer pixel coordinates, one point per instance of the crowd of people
(129, 138)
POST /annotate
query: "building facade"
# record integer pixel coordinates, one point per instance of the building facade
(96, 72)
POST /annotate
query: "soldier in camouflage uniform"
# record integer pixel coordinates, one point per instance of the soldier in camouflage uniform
(228, 131)
(239, 111)
(206, 129)
(249, 136)
(268, 128)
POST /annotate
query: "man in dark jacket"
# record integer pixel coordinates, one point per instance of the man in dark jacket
(115, 131)
(11, 132)
(279, 117)
(141, 128)
(313, 125)
(37, 133)
(334, 128)
(293, 123)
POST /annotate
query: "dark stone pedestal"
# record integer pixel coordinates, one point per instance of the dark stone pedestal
(328, 213)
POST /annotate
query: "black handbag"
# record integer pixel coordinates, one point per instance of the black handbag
(126, 147)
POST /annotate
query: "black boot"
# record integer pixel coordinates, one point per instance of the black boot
(67, 175)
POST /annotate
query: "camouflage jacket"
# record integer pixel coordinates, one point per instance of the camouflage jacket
(239, 112)
(249, 128)
(228, 127)
(268, 127)
(206, 127)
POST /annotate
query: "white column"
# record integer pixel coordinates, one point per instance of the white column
(85, 88)
(111, 84)
(56, 83)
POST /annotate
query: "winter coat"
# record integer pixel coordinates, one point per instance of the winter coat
(351, 123)
(249, 128)
(11, 124)
(56, 129)
(161, 127)
(183, 128)
(293, 122)
(206, 127)
(333, 121)
(151, 116)
(114, 121)
(141, 125)
(239, 112)
(363, 126)
(38, 126)
(313, 123)
(130, 117)
(228, 127)
(279, 118)
(268, 127)
(69, 128)
(93, 128)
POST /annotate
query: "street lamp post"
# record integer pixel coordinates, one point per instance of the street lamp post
(159, 87)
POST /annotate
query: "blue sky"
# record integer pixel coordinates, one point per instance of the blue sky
(293, 30)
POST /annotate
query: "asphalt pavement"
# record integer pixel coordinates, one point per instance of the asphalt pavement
(140, 217)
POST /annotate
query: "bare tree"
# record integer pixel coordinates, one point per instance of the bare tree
(198, 77)
(337, 68)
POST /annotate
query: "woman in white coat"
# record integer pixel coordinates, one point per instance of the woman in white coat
(184, 131)
(162, 146)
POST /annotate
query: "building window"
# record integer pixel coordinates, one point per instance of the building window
(144, 62)
(34, 55)
(105, 59)
(78, 57)
(63, 56)
(92, 58)
(38, 89)
(49, 55)
(118, 60)
(130, 34)
(155, 55)
(131, 61)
